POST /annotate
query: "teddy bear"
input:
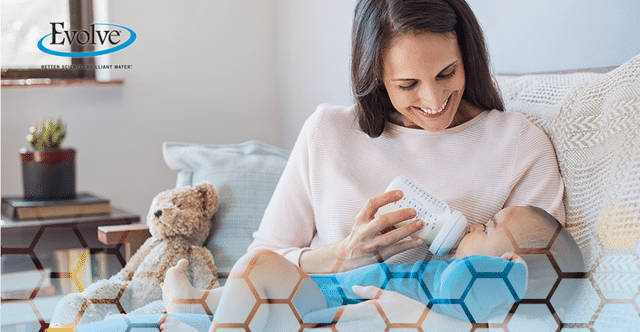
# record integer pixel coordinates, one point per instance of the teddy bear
(179, 221)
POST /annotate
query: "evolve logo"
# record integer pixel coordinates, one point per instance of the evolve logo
(112, 38)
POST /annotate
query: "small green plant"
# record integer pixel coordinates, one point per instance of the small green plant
(47, 135)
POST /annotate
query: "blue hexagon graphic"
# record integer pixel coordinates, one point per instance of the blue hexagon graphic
(481, 289)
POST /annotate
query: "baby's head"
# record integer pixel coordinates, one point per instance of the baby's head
(518, 227)
(531, 236)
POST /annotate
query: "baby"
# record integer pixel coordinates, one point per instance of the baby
(486, 248)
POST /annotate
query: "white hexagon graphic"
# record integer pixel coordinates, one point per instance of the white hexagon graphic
(35, 279)
(542, 276)
(411, 314)
(17, 312)
(49, 236)
(591, 249)
(532, 318)
(352, 319)
(238, 311)
(436, 321)
(617, 318)
(306, 298)
(287, 321)
(283, 286)
(575, 301)
(618, 276)
(565, 254)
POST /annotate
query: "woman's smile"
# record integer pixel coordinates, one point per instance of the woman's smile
(429, 113)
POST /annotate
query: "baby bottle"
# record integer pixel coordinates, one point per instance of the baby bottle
(442, 228)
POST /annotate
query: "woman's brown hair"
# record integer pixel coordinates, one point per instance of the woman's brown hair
(377, 22)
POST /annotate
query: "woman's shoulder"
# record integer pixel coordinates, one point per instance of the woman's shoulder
(521, 134)
(508, 117)
(516, 123)
(329, 112)
(329, 123)
(333, 119)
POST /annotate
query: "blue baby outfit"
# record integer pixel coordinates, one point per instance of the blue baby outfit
(476, 288)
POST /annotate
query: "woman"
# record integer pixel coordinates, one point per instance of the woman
(426, 108)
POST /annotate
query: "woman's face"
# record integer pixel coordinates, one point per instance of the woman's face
(424, 77)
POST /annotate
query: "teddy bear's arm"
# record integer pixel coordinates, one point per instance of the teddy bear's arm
(134, 262)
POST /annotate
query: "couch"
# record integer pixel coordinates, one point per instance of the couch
(593, 121)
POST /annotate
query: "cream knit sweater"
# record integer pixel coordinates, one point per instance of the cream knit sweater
(496, 160)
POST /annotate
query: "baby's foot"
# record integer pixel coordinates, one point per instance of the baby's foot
(171, 324)
(176, 284)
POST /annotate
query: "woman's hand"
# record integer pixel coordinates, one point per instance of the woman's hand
(369, 241)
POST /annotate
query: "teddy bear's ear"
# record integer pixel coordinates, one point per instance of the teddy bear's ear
(210, 198)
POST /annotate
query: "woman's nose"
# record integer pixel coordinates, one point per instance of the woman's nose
(431, 98)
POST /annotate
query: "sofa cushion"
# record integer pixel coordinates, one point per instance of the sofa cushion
(245, 176)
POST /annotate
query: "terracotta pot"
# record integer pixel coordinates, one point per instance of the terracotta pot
(48, 174)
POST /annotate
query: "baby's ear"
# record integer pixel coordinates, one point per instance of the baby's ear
(510, 256)
(513, 257)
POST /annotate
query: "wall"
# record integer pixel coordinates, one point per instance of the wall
(202, 72)
(542, 35)
(314, 39)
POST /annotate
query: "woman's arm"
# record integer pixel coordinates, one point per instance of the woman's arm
(289, 223)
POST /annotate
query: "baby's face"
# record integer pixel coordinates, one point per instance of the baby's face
(494, 241)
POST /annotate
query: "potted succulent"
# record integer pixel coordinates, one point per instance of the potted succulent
(48, 171)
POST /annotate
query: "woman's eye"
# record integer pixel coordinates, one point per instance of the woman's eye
(447, 75)
(408, 87)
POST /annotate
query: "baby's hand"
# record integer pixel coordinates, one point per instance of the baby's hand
(172, 324)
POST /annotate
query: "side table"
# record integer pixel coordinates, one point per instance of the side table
(29, 245)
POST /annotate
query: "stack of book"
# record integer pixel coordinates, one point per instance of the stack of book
(18, 208)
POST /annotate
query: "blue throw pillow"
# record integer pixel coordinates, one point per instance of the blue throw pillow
(244, 174)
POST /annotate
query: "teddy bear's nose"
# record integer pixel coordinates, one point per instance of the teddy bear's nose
(158, 213)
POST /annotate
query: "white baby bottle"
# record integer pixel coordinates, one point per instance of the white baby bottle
(442, 228)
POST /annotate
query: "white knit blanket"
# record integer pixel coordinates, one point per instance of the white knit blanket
(593, 121)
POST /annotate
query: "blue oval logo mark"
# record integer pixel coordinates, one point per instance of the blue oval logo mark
(132, 38)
